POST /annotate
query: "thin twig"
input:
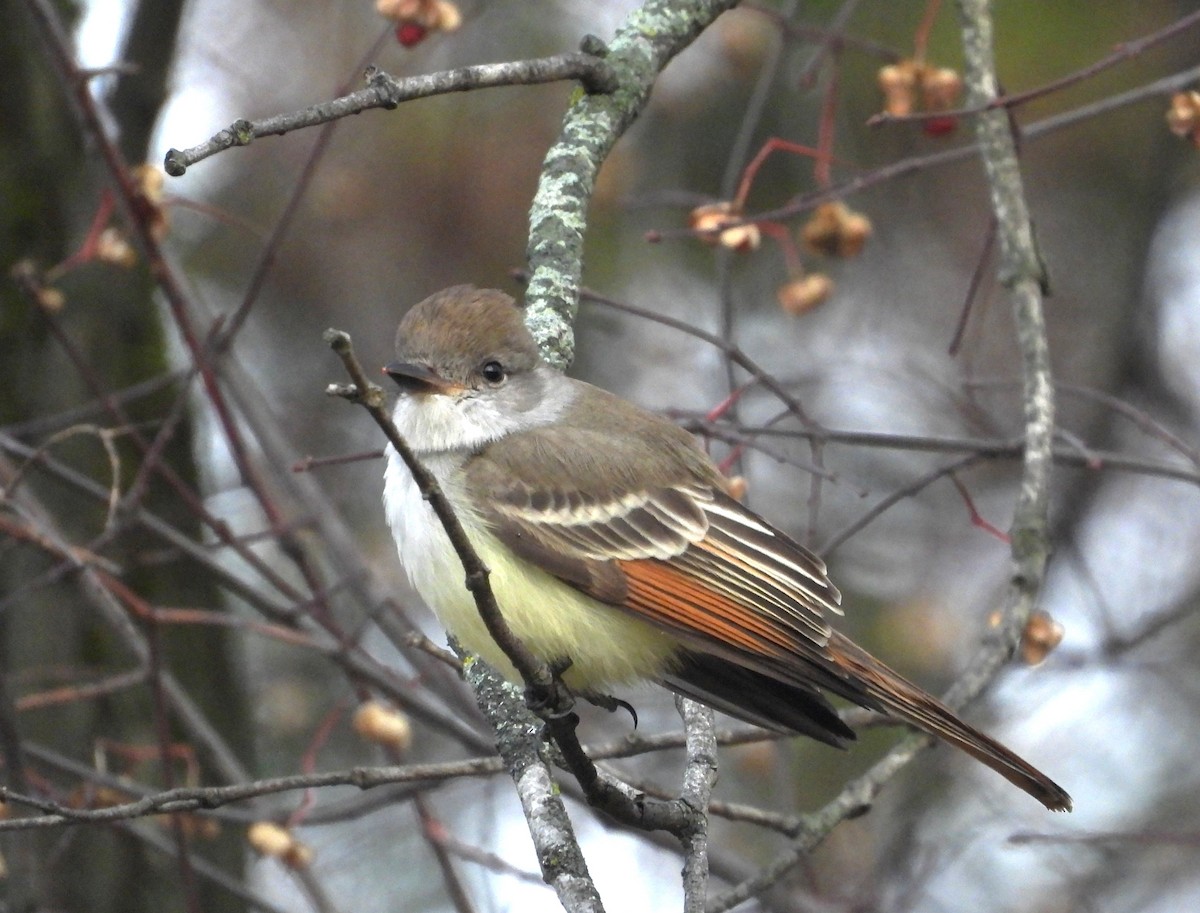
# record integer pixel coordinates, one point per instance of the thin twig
(195, 798)
(384, 91)
(1126, 50)
(355, 663)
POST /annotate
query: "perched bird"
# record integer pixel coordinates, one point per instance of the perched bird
(614, 547)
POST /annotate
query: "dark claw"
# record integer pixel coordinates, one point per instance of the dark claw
(610, 703)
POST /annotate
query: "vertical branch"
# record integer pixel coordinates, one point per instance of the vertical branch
(650, 37)
(1021, 271)
(700, 776)
(563, 865)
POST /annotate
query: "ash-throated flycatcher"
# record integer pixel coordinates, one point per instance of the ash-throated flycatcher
(613, 546)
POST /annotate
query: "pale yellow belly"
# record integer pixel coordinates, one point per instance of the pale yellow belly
(605, 645)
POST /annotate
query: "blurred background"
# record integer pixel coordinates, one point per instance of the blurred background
(124, 624)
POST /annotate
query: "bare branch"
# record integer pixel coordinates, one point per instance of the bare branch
(206, 798)
(385, 91)
(699, 778)
(559, 856)
(1022, 272)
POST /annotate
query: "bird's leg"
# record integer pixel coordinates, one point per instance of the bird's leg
(555, 701)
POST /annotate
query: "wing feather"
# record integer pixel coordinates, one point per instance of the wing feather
(654, 533)
(691, 558)
(731, 522)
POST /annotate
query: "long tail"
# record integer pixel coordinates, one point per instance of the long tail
(895, 694)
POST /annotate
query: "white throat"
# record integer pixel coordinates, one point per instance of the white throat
(444, 431)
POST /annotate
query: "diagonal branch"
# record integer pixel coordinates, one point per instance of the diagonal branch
(533, 671)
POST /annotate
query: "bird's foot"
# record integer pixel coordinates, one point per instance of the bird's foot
(610, 703)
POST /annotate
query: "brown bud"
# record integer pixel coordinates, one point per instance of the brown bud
(278, 842)
(299, 856)
(941, 88)
(1183, 113)
(396, 10)
(737, 486)
(1183, 117)
(799, 296)
(836, 230)
(383, 726)
(1041, 635)
(51, 299)
(112, 247)
(150, 181)
(423, 16)
(446, 16)
(898, 82)
(268, 838)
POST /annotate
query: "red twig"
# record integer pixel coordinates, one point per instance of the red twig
(977, 518)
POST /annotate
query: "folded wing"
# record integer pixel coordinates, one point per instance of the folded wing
(748, 605)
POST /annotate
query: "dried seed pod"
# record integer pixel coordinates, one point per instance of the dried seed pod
(941, 88)
(710, 221)
(1041, 635)
(276, 841)
(801, 295)
(737, 486)
(835, 230)
(383, 726)
(898, 82)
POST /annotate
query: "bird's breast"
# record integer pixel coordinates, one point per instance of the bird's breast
(606, 645)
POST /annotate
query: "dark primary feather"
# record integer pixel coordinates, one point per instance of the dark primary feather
(757, 698)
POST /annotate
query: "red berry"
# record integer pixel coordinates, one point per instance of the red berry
(411, 33)
(939, 126)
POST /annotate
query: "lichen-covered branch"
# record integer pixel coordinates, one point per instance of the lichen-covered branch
(1021, 271)
(562, 862)
(699, 778)
(650, 37)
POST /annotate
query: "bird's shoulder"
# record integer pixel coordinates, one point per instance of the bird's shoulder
(602, 446)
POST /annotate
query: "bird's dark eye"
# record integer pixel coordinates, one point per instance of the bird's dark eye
(493, 372)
